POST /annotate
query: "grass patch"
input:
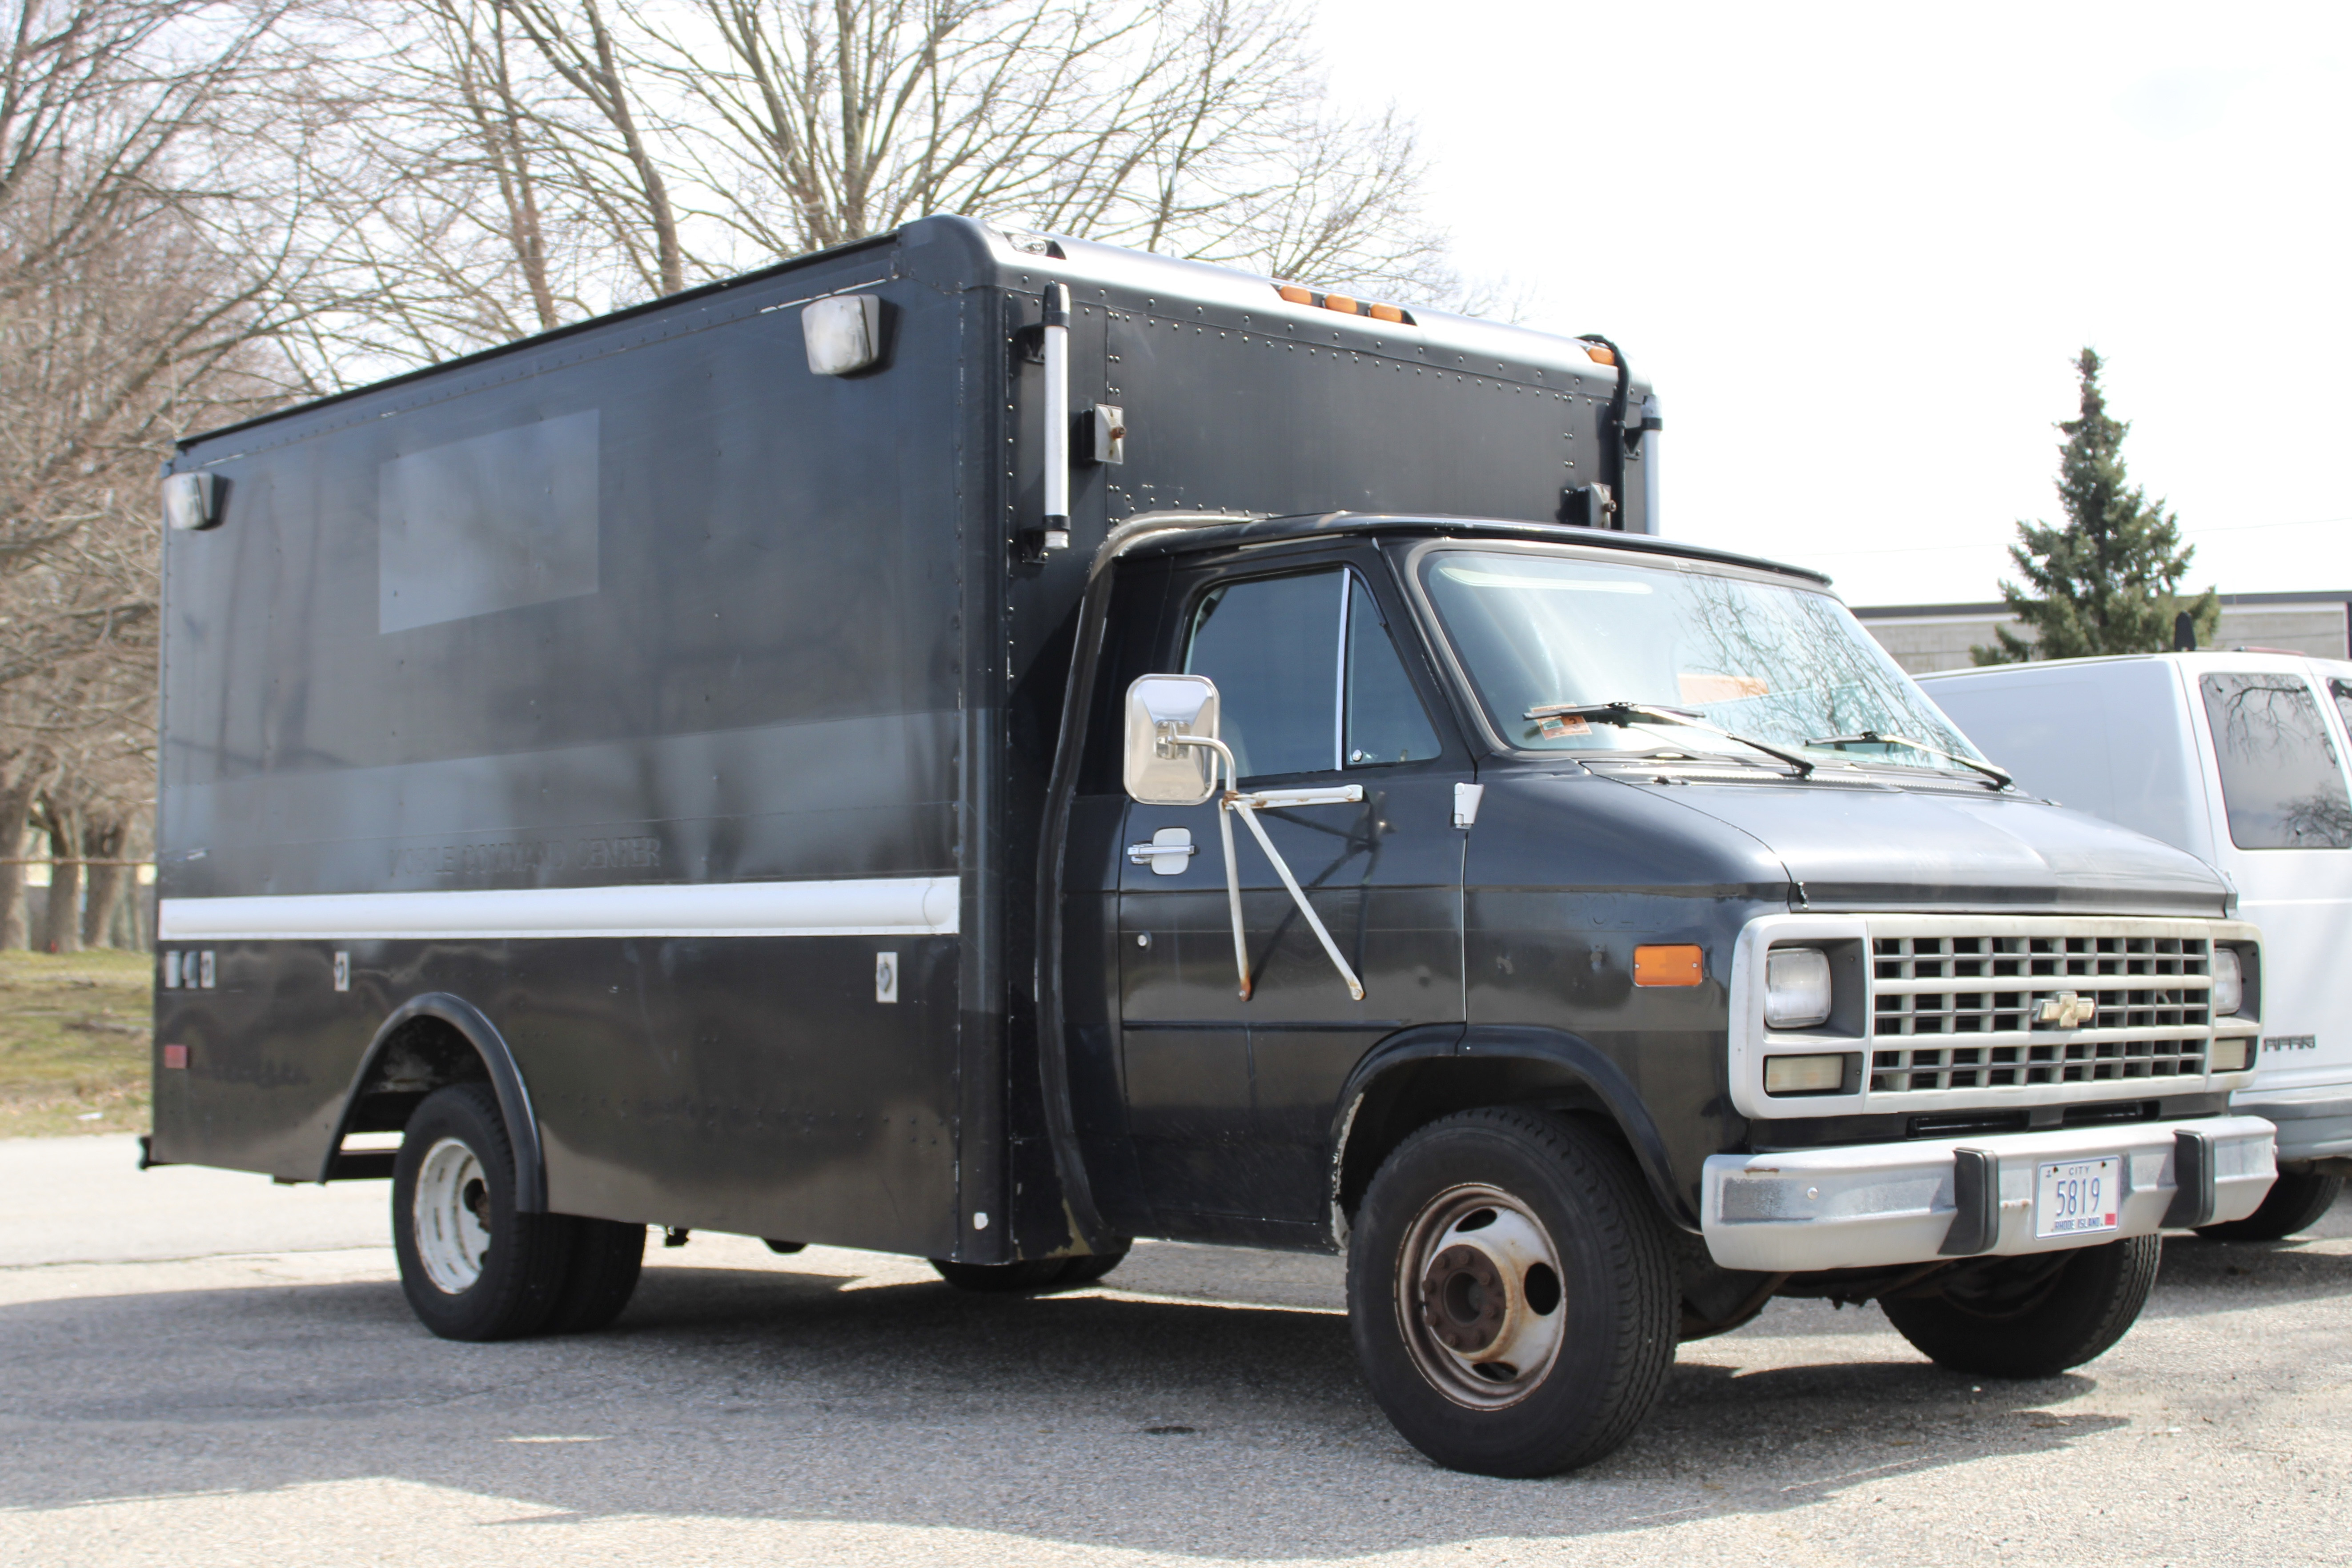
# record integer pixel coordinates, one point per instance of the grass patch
(74, 1031)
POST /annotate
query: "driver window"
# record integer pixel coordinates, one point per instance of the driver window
(1275, 645)
(1272, 645)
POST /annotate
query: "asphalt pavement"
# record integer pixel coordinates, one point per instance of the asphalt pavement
(197, 1367)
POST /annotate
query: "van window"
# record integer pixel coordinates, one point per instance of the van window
(2341, 690)
(2279, 782)
(1274, 645)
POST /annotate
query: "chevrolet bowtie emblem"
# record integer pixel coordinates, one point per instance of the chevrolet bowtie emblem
(2066, 1010)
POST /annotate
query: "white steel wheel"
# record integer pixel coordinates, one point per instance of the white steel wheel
(452, 1215)
(1479, 1298)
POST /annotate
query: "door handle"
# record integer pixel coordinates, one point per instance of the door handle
(1166, 854)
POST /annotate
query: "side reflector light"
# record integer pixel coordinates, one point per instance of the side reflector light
(1664, 965)
(175, 1057)
(2233, 1053)
(1796, 987)
(1804, 1075)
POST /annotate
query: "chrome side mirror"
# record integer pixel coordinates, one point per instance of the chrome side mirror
(1159, 770)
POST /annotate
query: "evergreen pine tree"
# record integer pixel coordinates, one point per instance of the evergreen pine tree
(2107, 581)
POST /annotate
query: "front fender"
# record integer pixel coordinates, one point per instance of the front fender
(1454, 1067)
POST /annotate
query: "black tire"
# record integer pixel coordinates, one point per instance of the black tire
(606, 1258)
(1078, 1271)
(1421, 1290)
(519, 1268)
(2294, 1203)
(1030, 1276)
(2026, 1319)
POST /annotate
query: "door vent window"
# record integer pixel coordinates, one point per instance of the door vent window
(1385, 721)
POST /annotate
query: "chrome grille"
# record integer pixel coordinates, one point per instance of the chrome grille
(1980, 997)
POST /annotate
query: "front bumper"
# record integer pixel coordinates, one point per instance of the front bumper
(1871, 1204)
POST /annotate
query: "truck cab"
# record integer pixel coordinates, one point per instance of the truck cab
(1643, 861)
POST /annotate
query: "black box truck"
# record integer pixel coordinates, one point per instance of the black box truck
(987, 747)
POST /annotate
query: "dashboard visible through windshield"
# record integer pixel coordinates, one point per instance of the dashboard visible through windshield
(1786, 665)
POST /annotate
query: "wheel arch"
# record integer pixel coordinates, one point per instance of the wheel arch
(1413, 1079)
(424, 1045)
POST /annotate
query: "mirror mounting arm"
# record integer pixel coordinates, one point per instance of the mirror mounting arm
(1231, 803)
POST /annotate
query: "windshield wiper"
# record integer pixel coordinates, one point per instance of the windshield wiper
(1623, 713)
(1872, 738)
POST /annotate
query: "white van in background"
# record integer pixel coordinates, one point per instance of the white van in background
(2240, 758)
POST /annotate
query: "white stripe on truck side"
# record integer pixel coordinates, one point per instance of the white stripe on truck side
(865, 906)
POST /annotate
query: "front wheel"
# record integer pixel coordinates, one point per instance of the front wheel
(2033, 1316)
(1511, 1292)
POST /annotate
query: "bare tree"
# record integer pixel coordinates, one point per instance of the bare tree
(525, 160)
(137, 297)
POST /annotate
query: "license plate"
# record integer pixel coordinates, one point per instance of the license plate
(2076, 1197)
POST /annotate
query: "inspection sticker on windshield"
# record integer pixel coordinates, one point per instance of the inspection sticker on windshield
(2077, 1197)
(1554, 727)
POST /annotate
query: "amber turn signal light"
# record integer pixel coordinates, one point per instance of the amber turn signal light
(1669, 965)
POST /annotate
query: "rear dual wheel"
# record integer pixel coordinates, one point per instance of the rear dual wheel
(1511, 1292)
(474, 1268)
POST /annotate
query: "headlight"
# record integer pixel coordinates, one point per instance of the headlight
(2233, 1053)
(1804, 1075)
(2229, 983)
(1797, 988)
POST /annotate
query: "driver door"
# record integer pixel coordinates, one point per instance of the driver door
(1231, 1100)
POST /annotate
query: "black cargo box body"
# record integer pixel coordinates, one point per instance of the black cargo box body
(692, 683)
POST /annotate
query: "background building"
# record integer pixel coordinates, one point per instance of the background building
(1924, 638)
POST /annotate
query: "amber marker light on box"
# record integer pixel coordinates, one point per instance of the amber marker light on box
(1669, 965)
(1295, 294)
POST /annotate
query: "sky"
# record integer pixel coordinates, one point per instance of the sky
(1858, 248)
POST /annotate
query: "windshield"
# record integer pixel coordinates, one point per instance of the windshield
(1786, 665)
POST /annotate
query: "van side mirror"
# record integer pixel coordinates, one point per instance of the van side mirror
(1159, 770)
